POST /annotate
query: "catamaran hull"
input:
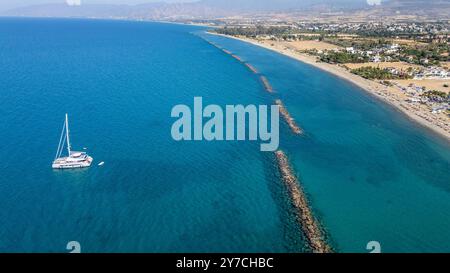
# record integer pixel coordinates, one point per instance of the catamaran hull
(72, 165)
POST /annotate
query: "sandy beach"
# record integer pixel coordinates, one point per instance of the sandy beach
(438, 123)
(434, 84)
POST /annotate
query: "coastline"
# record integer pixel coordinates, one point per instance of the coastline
(373, 88)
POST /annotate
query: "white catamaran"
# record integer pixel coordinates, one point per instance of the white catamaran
(73, 159)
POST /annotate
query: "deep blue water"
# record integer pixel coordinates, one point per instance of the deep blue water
(371, 174)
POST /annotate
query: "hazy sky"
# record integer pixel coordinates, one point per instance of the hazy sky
(8, 4)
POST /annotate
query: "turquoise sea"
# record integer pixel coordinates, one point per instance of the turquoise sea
(370, 173)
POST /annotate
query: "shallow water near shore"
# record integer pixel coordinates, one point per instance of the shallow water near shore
(370, 173)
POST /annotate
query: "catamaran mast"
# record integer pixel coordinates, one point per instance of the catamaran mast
(67, 133)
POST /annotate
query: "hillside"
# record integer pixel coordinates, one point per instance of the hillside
(212, 9)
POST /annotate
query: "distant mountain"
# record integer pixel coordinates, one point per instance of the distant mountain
(63, 10)
(421, 6)
(417, 4)
(282, 5)
(155, 11)
(431, 9)
(211, 9)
